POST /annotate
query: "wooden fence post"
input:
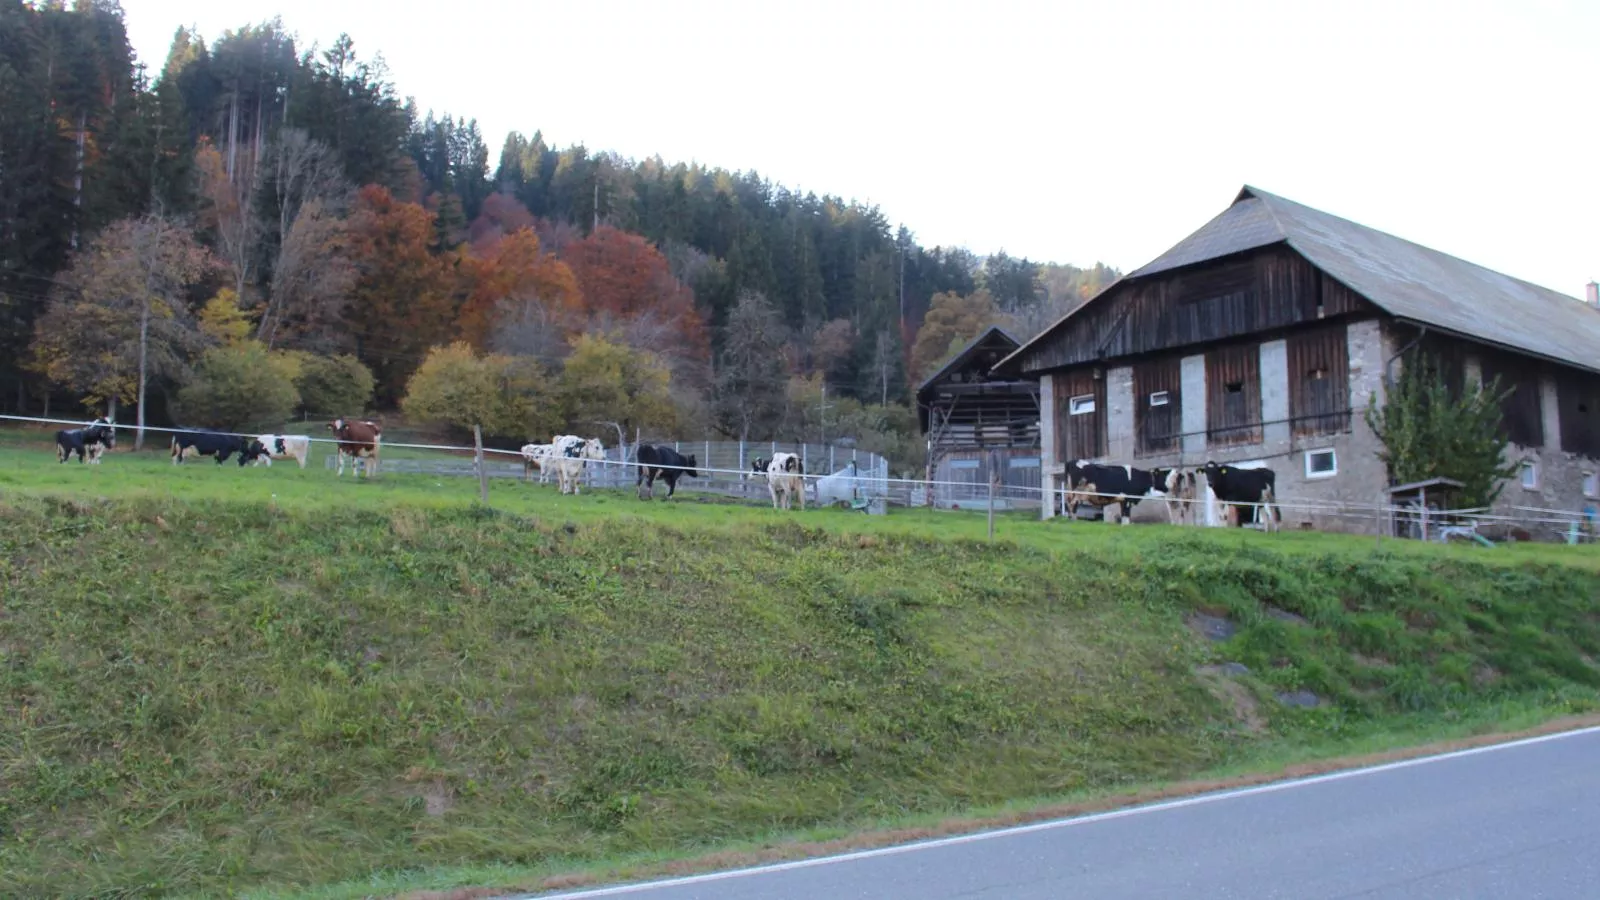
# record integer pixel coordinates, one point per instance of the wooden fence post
(483, 472)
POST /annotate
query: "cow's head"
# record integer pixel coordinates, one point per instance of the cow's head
(1213, 470)
(759, 466)
(251, 451)
(792, 464)
(689, 470)
(336, 426)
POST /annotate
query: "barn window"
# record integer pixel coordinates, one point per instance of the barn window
(1321, 463)
(1530, 475)
(1081, 405)
(1159, 398)
(1591, 484)
(963, 464)
(1319, 381)
(1233, 401)
(1023, 462)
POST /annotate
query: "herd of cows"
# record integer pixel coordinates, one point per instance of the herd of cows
(1243, 492)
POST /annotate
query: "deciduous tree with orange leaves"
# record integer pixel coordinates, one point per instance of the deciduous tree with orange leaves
(508, 276)
(628, 285)
(402, 302)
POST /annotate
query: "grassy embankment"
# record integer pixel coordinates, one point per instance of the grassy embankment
(212, 679)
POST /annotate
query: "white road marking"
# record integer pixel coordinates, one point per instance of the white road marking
(935, 843)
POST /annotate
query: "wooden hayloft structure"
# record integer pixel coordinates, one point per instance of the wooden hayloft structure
(966, 411)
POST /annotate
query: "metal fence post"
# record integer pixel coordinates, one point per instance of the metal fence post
(483, 472)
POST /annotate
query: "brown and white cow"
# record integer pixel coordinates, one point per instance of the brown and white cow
(358, 440)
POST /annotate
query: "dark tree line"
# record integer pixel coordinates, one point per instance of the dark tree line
(254, 140)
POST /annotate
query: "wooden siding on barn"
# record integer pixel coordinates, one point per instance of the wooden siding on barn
(1579, 396)
(1319, 381)
(1266, 290)
(1522, 411)
(1157, 428)
(1080, 436)
(1233, 395)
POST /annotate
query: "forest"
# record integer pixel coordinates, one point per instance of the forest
(260, 229)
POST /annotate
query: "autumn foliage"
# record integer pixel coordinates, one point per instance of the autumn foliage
(627, 282)
(510, 272)
(402, 301)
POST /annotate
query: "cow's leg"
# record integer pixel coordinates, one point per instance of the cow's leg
(800, 489)
(1126, 511)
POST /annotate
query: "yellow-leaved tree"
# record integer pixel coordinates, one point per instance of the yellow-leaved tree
(507, 395)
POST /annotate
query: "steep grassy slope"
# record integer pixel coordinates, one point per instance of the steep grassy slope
(202, 688)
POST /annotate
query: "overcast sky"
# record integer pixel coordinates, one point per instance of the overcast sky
(1067, 131)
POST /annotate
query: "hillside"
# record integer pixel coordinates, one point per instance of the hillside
(219, 678)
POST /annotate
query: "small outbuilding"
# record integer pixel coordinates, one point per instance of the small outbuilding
(973, 418)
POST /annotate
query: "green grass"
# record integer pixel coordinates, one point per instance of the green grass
(215, 679)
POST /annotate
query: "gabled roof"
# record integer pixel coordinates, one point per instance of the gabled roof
(1405, 279)
(1005, 339)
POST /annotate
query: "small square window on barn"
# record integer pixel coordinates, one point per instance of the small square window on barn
(1591, 484)
(1159, 398)
(1530, 475)
(1321, 463)
(1081, 405)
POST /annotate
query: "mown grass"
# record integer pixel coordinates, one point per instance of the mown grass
(214, 678)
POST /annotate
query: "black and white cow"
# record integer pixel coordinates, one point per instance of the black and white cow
(91, 440)
(1254, 488)
(758, 466)
(210, 443)
(1101, 486)
(665, 463)
(1180, 489)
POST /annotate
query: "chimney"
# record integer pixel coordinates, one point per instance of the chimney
(1593, 294)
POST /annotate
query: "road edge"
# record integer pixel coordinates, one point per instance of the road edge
(634, 877)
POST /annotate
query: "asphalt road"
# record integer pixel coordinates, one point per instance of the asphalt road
(1515, 820)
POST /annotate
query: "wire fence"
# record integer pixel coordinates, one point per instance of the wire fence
(860, 479)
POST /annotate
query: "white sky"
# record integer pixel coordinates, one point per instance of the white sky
(1065, 131)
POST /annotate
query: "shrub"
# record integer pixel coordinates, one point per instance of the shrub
(456, 387)
(334, 385)
(237, 386)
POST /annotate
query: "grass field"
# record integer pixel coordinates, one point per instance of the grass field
(217, 679)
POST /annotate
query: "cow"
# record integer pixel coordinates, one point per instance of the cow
(360, 441)
(665, 463)
(269, 447)
(1179, 488)
(205, 442)
(537, 456)
(1236, 487)
(90, 440)
(571, 457)
(786, 480)
(1102, 486)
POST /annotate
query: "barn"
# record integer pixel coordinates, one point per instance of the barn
(1261, 338)
(973, 419)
